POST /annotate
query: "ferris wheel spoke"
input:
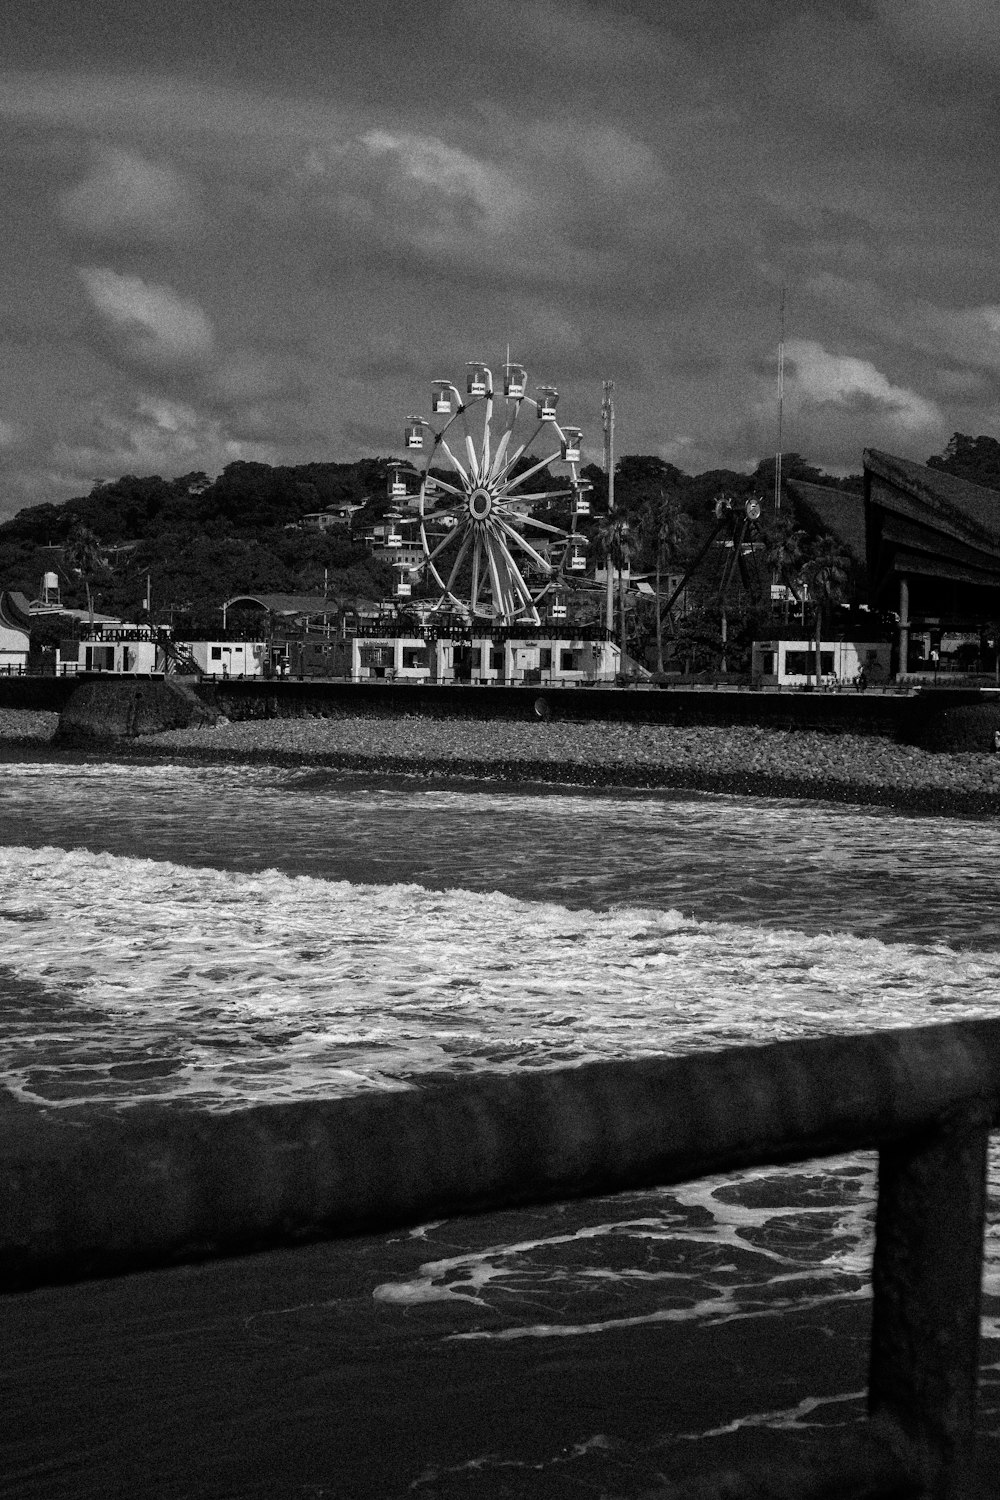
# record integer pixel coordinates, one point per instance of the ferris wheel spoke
(485, 470)
(497, 464)
(536, 495)
(458, 561)
(559, 531)
(525, 546)
(470, 449)
(442, 545)
(443, 511)
(477, 558)
(455, 463)
(496, 467)
(522, 448)
(442, 484)
(499, 603)
(517, 591)
(543, 463)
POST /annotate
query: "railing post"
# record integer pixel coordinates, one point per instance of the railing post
(926, 1280)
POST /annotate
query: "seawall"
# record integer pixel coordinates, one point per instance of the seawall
(942, 719)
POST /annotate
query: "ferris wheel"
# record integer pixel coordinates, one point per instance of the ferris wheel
(484, 471)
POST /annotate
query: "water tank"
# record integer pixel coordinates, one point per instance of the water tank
(50, 581)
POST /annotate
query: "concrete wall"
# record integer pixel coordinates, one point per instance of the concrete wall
(854, 713)
(152, 1184)
(942, 719)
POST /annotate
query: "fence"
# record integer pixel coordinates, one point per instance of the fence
(151, 1187)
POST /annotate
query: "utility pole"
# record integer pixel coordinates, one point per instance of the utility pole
(608, 422)
(781, 404)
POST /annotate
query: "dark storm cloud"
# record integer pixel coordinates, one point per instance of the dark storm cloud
(262, 230)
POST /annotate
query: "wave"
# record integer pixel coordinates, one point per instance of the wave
(146, 978)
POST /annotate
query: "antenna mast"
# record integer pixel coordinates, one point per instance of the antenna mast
(608, 423)
(781, 403)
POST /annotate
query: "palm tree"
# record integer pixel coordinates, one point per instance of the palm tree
(826, 570)
(613, 539)
(83, 556)
(667, 529)
(785, 554)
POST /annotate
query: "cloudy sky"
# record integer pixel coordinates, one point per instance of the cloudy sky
(252, 230)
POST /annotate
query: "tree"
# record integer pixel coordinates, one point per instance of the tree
(784, 553)
(826, 570)
(615, 551)
(83, 556)
(976, 459)
(667, 529)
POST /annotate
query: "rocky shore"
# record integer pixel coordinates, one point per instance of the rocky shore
(744, 760)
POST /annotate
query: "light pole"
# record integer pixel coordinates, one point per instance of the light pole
(608, 422)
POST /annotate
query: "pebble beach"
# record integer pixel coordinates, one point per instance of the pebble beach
(744, 760)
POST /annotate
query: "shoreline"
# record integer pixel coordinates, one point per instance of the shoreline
(738, 761)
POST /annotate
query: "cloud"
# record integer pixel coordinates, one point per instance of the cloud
(152, 436)
(967, 31)
(432, 163)
(817, 379)
(124, 195)
(968, 336)
(159, 326)
(173, 108)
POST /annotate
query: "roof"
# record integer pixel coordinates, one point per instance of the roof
(940, 532)
(15, 610)
(839, 512)
(286, 604)
(970, 510)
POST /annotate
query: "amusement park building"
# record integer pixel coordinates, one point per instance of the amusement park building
(515, 658)
(933, 549)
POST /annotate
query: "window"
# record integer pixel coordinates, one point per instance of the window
(496, 658)
(567, 661)
(767, 664)
(216, 653)
(414, 656)
(803, 663)
(376, 656)
(545, 658)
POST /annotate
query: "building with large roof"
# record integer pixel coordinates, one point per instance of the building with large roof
(932, 543)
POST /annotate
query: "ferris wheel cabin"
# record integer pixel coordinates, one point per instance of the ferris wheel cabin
(548, 397)
(577, 558)
(397, 484)
(478, 380)
(414, 432)
(441, 397)
(570, 445)
(581, 498)
(515, 378)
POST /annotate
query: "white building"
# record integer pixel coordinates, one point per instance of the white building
(226, 658)
(114, 647)
(555, 660)
(779, 663)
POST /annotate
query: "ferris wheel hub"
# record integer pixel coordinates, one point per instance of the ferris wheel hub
(480, 504)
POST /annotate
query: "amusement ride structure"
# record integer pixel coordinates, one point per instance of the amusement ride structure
(483, 467)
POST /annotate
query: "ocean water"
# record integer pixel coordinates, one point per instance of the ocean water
(213, 936)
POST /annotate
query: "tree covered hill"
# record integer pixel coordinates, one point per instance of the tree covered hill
(200, 541)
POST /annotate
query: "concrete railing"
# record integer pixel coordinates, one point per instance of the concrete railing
(152, 1186)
